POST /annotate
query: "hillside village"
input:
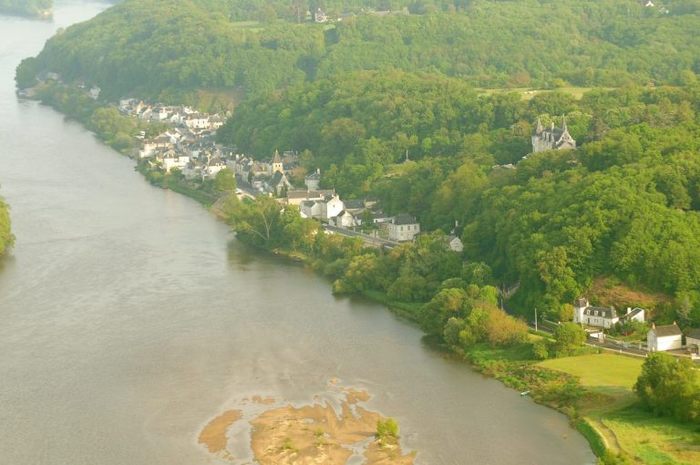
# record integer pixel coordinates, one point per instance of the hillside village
(189, 147)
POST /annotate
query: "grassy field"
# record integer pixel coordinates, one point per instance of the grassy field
(611, 409)
(527, 93)
(600, 369)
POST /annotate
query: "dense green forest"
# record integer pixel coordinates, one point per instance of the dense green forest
(625, 205)
(26, 7)
(359, 96)
(157, 48)
(6, 238)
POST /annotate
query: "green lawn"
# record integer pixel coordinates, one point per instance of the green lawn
(612, 410)
(600, 369)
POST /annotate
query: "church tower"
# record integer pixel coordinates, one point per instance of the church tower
(277, 165)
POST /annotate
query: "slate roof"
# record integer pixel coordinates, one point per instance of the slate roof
(635, 311)
(693, 333)
(404, 218)
(354, 204)
(605, 312)
(667, 330)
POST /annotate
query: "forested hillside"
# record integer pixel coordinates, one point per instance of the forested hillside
(157, 48)
(625, 205)
(414, 109)
(26, 7)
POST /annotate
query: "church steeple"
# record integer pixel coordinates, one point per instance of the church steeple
(539, 128)
(277, 164)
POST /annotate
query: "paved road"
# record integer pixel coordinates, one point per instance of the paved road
(369, 240)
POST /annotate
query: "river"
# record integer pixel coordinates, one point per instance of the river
(129, 317)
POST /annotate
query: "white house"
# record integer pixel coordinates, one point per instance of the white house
(297, 196)
(331, 206)
(634, 314)
(197, 121)
(454, 243)
(214, 167)
(310, 209)
(313, 180)
(172, 160)
(668, 337)
(601, 317)
(402, 228)
(345, 219)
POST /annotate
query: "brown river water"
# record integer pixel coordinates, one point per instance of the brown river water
(130, 317)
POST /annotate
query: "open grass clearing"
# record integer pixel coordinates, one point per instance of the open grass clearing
(598, 370)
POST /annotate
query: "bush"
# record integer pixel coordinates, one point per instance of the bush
(387, 430)
(540, 351)
(568, 338)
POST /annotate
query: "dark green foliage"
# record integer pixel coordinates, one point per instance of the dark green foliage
(670, 386)
(156, 48)
(568, 338)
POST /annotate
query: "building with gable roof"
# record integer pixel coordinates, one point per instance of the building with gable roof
(552, 138)
(666, 337)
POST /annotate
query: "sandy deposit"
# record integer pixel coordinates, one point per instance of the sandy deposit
(323, 432)
(213, 436)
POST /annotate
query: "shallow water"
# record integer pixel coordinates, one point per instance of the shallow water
(129, 317)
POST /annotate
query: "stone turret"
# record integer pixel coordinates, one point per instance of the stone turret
(552, 138)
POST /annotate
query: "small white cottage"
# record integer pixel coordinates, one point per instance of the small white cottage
(667, 337)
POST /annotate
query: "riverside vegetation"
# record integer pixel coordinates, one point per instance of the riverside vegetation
(6, 237)
(443, 86)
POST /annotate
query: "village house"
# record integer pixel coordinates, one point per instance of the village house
(313, 180)
(692, 340)
(172, 159)
(552, 138)
(320, 16)
(324, 209)
(603, 317)
(297, 196)
(454, 243)
(662, 338)
(344, 219)
(331, 206)
(278, 183)
(402, 228)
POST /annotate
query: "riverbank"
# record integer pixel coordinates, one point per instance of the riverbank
(546, 386)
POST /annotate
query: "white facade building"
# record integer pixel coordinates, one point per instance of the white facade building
(402, 228)
(668, 337)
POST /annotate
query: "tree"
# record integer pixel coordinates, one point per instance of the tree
(224, 181)
(568, 337)
(258, 221)
(448, 303)
(669, 386)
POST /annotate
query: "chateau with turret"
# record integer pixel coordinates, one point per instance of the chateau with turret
(552, 138)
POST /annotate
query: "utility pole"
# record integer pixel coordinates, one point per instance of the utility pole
(536, 319)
